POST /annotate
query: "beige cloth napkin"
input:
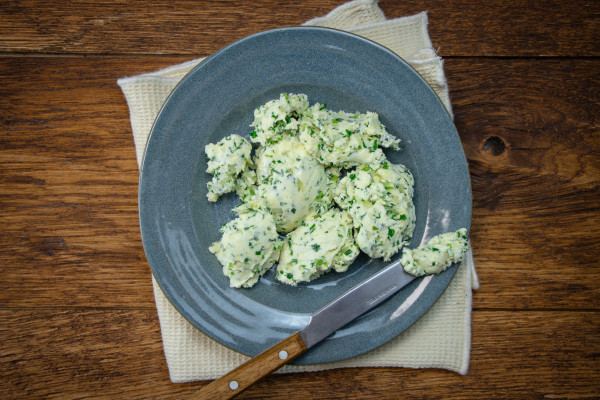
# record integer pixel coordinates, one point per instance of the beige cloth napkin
(440, 339)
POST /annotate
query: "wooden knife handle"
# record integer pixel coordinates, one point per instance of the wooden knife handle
(254, 369)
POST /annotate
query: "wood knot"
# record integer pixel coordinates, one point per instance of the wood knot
(47, 245)
(494, 146)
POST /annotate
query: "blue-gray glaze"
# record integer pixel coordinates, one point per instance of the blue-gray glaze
(216, 99)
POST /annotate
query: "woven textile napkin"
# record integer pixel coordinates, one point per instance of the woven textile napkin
(440, 339)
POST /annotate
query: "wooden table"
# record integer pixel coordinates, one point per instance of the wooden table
(77, 310)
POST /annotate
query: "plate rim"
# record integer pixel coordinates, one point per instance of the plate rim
(450, 272)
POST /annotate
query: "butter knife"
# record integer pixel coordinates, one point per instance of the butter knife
(324, 322)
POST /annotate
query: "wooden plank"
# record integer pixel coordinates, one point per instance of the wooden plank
(530, 134)
(108, 353)
(68, 186)
(469, 28)
(68, 181)
(515, 28)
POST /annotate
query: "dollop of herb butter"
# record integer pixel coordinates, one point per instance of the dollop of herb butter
(344, 139)
(379, 199)
(291, 183)
(249, 246)
(322, 243)
(227, 160)
(437, 255)
(278, 118)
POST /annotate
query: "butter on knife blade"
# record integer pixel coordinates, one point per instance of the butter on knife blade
(322, 323)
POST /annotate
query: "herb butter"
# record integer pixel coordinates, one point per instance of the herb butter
(344, 139)
(379, 200)
(321, 178)
(246, 185)
(291, 183)
(322, 243)
(437, 255)
(278, 118)
(227, 159)
(249, 246)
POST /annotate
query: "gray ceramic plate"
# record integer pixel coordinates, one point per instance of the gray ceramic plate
(217, 99)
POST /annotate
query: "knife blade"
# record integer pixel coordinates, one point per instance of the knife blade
(324, 322)
(354, 302)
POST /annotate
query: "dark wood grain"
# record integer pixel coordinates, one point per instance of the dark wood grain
(471, 28)
(501, 28)
(68, 186)
(538, 192)
(117, 354)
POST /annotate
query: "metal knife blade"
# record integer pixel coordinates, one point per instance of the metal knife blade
(322, 323)
(355, 302)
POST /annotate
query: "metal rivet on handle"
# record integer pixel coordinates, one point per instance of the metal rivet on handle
(233, 385)
(283, 355)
